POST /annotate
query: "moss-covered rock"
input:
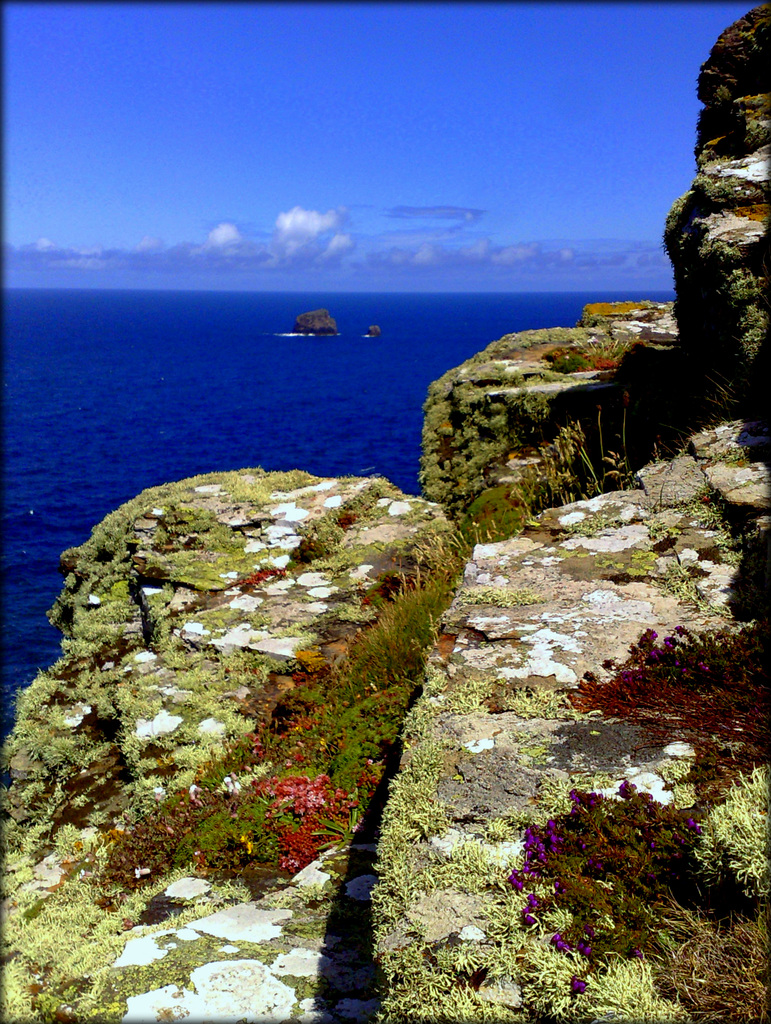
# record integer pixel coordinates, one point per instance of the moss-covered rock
(717, 233)
(490, 422)
(186, 614)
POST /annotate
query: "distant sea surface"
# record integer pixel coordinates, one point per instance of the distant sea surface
(106, 393)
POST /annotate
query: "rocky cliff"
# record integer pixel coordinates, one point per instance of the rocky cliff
(717, 233)
(319, 751)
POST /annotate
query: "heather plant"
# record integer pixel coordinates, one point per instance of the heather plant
(605, 863)
(711, 688)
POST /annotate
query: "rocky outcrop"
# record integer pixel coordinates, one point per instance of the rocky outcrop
(317, 321)
(374, 331)
(488, 422)
(186, 614)
(506, 752)
(717, 233)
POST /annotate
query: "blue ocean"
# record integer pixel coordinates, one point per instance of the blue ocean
(109, 392)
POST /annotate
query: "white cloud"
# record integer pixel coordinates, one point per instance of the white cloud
(43, 244)
(427, 255)
(149, 244)
(298, 228)
(510, 255)
(224, 234)
(339, 245)
(479, 250)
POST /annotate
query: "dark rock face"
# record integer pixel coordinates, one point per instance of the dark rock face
(317, 321)
(374, 331)
(717, 233)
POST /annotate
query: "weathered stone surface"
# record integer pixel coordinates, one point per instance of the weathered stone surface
(562, 600)
(670, 483)
(317, 321)
(243, 563)
(716, 234)
(487, 420)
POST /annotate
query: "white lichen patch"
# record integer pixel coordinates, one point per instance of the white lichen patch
(162, 724)
(300, 963)
(477, 746)
(245, 922)
(679, 749)
(611, 540)
(211, 727)
(143, 950)
(610, 606)
(311, 874)
(289, 513)
(246, 603)
(75, 715)
(228, 991)
(187, 888)
(283, 647)
(399, 508)
(195, 629)
(313, 579)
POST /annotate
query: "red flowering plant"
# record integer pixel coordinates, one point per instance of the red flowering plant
(299, 807)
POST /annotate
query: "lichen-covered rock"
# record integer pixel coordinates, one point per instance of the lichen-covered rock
(185, 615)
(187, 948)
(496, 748)
(317, 321)
(717, 233)
(487, 420)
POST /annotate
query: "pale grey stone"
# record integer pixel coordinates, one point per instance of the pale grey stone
(211, 727)
(245, 922)
(187, 888)
(300, 963)
(669, 483)
(160, 725)
(227, 991)
(311, 874)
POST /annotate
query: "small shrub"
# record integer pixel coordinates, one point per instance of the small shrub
(712, 689)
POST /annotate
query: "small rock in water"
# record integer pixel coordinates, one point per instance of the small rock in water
(317, 321)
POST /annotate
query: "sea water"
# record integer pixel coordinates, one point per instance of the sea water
(108, 392)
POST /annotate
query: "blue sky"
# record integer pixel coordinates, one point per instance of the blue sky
(350, 146)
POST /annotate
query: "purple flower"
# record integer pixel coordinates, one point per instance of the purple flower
(653, 635)
(559, 887)
(584, 948)
(531, 899)
(589, 930)
(638, 953)
(528, 918)
(680, 630)
(577, 985)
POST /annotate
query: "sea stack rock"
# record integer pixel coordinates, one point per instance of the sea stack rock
(318, 321)
(374, 331)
